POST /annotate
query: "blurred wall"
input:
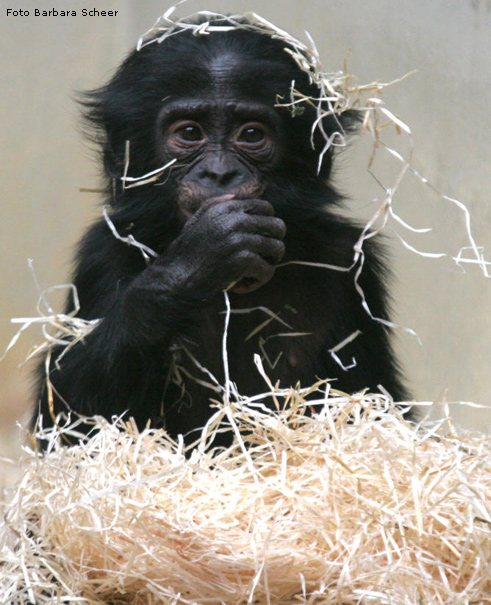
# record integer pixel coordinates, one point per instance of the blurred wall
(45, 161)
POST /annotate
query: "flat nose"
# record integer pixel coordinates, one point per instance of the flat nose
(219, 170)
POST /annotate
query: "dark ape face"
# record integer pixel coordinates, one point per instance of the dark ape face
(221, 147)
(211, 103)
(223, 129)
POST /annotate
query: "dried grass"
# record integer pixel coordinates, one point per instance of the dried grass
(350, 505)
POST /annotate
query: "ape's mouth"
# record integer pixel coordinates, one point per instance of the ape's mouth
(192, 196)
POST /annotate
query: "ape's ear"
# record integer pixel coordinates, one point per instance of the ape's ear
(101, 127)
(330, 135)
(345, 123)
(351, 120)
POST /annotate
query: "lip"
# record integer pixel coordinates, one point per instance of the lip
(192, 197)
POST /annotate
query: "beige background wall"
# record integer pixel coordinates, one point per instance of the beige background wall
(44, 162)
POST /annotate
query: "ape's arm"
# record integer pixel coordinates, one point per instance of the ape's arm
(143, 310)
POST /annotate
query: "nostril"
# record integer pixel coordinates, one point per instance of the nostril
(219, 170)
(219, 178)
(228, 178)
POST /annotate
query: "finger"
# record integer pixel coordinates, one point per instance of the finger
(214, 201)
(245, 285)
(268, 248)
(258, 273)
(268, 226)
(253, 207)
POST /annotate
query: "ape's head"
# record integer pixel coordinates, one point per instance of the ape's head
(218, 106)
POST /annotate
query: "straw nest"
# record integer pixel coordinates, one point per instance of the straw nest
(350, 504)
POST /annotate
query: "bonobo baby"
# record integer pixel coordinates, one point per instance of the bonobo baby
(243, 207)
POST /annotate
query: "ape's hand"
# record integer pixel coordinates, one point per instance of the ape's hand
(226, 243)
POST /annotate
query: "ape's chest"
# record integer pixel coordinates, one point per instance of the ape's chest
(289, 336)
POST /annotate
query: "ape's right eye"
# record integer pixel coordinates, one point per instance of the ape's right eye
(190, 133)
(187, 133)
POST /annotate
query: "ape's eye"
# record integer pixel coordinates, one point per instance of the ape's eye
(190, 133)
(252, 135)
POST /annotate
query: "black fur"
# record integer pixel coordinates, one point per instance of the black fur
(154, 315)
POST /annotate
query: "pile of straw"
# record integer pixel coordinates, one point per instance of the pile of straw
(347, 504)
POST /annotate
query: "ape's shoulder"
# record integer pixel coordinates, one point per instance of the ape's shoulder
(334, 239)
(102, 263)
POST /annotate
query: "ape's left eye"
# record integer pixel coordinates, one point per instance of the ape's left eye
(254, 138)
(252, 135)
